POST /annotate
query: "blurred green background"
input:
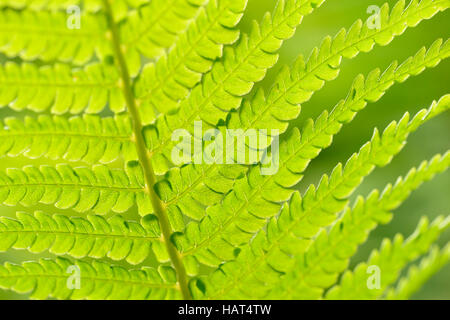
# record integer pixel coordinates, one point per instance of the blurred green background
(433, 198)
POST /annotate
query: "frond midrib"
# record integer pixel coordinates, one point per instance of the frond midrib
(75, 84)
(26, 134)
(79, 233)
(72, 185)
(94, 279)
(54, 34)
(144, 158)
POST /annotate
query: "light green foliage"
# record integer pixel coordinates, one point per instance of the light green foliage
(112, 93)
(391, 258)
(90, 138)
(271, 252)
(296, 86)
(419, 274)
(222, 91)
(95, 236)
(200, 184)
(44, 34)
(98, 188)
(48, 278)
(291, 89)
(59, 88)
(328, 256)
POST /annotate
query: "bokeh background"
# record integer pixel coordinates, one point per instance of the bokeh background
(433, 198)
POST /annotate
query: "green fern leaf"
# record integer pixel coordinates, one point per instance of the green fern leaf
(45, 35)
(99, 189)
(330, 252)
(244, 210)
(296, 86)
(419, 274)
(94, 237)
(270, 253)
(181, 192)
(323, 62)
(194, 187)
(190, 191)
(60, 89)
(90, 139)
(292, 234)
(289, 89)
(49, 278)
(136, 74)
(390, 259)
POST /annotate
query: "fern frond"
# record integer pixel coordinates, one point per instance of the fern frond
(155, 27)
(98, 281)
(296, 86)
(254, 199)
(162, 85)
(224, 230)
(330, 252)
(98, 188)
(44, 34)
(259, 113)
(192, 188)
(315, 137)
(419, 274)
(390, 259)
(371, 89)
(60, 89)
(272, 253)
(93, 237)
(89, 138)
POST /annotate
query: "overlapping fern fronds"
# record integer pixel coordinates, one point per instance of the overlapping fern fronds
(112, 92)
